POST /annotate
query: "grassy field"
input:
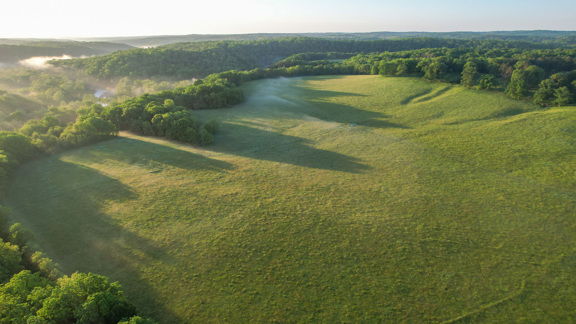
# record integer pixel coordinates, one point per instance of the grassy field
(439, 204)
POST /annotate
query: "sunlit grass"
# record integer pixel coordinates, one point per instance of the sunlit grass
(438, 204)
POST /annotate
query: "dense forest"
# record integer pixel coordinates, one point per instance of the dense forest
(56, 110)
(197, 60)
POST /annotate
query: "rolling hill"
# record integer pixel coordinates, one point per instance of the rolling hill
(327, 199)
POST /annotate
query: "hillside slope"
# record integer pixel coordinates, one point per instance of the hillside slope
(327, 199)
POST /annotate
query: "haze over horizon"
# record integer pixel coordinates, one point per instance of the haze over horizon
(107, 18)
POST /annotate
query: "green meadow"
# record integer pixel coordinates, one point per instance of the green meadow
(327, 199)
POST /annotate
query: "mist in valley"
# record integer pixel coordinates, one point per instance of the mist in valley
(33, 88)
(41, 62)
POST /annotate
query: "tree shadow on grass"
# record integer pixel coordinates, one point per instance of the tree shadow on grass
(151, 155)
(415, 96)
(256, 143)
(64, 209)
(285, 96)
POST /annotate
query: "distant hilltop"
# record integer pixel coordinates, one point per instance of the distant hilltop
(151, 41)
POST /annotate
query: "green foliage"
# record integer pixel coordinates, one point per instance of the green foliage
(180, 126)
(212, 126)
(388, 68)
(406, 66)
(57, 88)
(549, 93)
(16, 109)
(487, 82)
(104, 307)
(89, 129)
(17, 147)
(535, 75)
(563, 97)
(433, 69)
(469, 74)
(19, 235)
(518, 86)
(5, 213)
(88, 298)
(83, 298)
(206, 137)
(10, 261)
(45, 266)
(23, 296)
(138, 320)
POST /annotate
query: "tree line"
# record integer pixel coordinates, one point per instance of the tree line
(545, 76)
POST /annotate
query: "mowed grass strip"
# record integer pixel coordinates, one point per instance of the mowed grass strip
(327, 199)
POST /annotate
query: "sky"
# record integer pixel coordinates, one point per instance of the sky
(109, 18)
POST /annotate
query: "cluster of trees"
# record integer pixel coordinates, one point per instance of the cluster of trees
(57, 89)
(522, 74)
(33, 290)
(167, 113)
(557, 90)
(164, 114)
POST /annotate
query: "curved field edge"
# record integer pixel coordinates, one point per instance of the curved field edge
(327, 199)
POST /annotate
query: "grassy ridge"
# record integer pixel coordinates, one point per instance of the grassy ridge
(440, 204)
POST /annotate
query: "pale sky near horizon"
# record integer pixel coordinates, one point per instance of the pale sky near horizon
(107, 18)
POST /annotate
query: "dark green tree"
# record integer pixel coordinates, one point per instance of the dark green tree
(88, 298)
(545, 94)
(386, 68)
(434, 70)
(487, 82)
(563, 97)
(206, 138)
(10, 261)
(469, 74)
(518, 85)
